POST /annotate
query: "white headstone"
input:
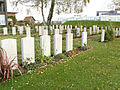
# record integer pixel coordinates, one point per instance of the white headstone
(21, 29)
(36, 28)
(57, 43)
(68, 31)
(5, 31)
(78, 32)
(97, 30)
(119, 32)
(75, 27)
(102, 35)
(28, 32)
(10, 46)
(65, 27)
(71, 27)
(56, 31)
(68, 27)
(51, 30)
(28, 50)
(56, 26)
(61, 29)
(90, 30)
(94, 29)
(53, 27)
(44, 32)
(85, 29)
(84, 39)
(106, 28)
(69, 42)
(81, 28)
(46, 27)
(116, 32)
(45, 45)
(13, 30)
(40, 30)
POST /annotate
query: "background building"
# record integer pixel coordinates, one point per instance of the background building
(108, 15)
(3, 12)
(12, 18)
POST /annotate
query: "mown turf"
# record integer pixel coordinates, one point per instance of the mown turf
(91, 23)
(96, 69)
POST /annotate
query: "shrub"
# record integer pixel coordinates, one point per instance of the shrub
(109, 35)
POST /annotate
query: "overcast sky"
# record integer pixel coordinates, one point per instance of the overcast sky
(89, 10)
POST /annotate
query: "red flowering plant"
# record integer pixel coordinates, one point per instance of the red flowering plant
(5, 66)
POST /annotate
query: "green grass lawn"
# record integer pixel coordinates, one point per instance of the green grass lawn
(96, 69)
(90, 23)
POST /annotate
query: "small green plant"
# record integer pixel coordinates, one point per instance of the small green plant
(48, 59)
(61, 56)
(84, 48)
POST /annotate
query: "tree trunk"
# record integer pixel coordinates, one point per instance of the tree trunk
(51, 12)
(43, 12)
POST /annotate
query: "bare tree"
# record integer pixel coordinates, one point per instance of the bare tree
(116, 4)
(66, 6)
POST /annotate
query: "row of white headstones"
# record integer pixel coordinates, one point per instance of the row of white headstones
(27, 44)
(61, 28)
